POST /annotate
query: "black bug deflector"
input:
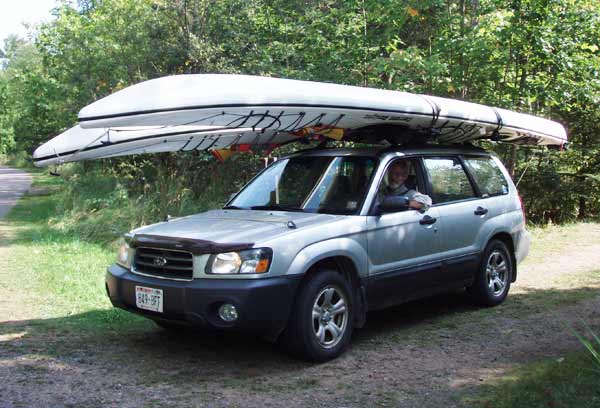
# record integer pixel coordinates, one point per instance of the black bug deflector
(194, 246)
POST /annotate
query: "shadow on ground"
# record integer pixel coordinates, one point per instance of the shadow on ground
(397, 359)
(114, 335)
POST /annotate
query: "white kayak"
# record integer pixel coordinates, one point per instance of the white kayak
(78, 144)
(208, 112)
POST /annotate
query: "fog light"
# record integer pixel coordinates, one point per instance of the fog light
(228, 312)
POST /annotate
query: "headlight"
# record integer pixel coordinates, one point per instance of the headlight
(124, 255)
(226, 263)
(250, 261)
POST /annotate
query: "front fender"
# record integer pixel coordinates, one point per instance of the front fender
(346, 247)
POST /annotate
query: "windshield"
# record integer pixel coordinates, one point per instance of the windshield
(334, 185)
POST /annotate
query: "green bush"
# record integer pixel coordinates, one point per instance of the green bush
(19, 159)
(102, 200)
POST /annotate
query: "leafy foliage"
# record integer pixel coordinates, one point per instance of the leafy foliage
(103, 199)
(536, 56)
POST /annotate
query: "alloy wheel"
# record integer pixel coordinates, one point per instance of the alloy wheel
(330, 316)
(497, 272)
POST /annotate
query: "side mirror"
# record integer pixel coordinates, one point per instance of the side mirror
(394, 204)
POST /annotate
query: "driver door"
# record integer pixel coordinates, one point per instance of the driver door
(403, 250)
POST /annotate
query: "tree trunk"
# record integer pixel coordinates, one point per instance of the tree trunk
(512, 161)
(582, 208)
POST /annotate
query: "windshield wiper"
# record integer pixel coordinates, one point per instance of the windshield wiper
(233, 207)
(276, 207)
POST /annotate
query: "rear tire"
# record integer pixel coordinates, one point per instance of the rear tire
(321, 323)
(493, 278)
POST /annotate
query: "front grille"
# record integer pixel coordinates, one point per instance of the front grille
(164, 263)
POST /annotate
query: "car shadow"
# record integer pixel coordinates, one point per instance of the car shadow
(114, 338)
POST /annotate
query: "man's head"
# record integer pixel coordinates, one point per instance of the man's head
(398, 173)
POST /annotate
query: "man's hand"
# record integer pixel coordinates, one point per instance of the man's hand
(415, 204)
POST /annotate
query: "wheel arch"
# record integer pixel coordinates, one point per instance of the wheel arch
(344, 253)
(507, 239)
(340, 263)
(345, 256)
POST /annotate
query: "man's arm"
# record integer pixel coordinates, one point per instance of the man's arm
(418, 201)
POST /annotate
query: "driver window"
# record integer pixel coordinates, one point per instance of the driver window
(400, 180)
(399, 172)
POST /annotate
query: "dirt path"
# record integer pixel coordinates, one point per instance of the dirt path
(424, 354)
(13, 184)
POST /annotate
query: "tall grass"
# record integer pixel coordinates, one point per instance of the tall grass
(565, 382)
(100, 201)
(20, 159)
(590, 340)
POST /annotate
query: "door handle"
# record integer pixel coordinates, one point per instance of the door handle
(427, 220)
(480, 211)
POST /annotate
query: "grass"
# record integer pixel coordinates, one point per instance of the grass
(590, 340)
(51, 264)
(551, 239)
(567, 382)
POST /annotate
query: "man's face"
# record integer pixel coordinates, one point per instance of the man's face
(397, 174)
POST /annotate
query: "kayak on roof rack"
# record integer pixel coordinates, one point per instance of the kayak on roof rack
(217, 111)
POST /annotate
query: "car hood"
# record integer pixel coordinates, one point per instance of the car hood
(236, 226)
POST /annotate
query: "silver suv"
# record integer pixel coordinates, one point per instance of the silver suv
(316, 240)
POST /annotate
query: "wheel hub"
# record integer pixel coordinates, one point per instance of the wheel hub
(330, 316)
(326, 318)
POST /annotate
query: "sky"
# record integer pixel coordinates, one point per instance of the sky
(14, 12)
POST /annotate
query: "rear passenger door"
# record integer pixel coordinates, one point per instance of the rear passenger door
(490, 183)
(460, 215)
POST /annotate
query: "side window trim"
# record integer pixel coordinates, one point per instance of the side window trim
(427, 178)
(421, 184)
(464, 200)
(474, 184)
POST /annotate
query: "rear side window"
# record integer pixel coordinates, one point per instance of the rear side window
(487, 175)
(449, 182)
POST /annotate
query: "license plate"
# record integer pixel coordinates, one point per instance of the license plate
(149, 299)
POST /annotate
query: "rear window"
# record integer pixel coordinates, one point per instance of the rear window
(449, 182)
(487, 175)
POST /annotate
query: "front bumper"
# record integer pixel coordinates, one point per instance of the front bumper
(263, 305)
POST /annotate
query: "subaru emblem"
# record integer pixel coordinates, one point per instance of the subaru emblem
(159, 262)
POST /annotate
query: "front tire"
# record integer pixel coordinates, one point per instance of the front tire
(321, 323)
(492, 282)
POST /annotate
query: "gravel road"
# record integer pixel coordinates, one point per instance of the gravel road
(13, 184)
